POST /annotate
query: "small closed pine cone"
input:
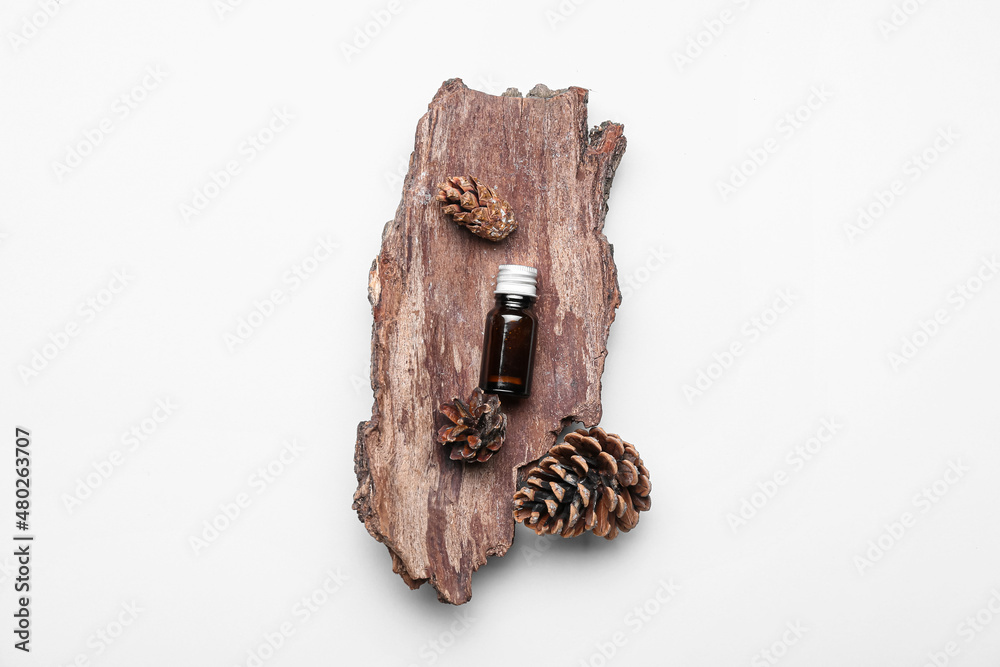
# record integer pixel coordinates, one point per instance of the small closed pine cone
(477, 207)
(591, 481)
(477, 428)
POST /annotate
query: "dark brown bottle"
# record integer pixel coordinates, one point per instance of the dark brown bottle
(509, 339)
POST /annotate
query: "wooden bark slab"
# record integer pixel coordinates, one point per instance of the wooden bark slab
(431, 286)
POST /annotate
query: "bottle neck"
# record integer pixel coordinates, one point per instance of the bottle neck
(518, 301)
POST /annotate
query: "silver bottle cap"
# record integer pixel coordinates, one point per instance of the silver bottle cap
(517, 279)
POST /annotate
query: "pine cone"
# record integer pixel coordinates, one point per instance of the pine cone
(476, 207)
(477, 429)
(591, 481)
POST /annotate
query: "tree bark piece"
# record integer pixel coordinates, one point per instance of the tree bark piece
(431, 286)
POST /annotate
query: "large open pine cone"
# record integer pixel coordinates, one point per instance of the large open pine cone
(476, 207)
(477, 428)
(591, 481)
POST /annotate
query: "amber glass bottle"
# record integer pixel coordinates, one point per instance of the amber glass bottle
(509, 339)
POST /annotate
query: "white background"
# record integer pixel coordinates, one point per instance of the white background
(333, 173)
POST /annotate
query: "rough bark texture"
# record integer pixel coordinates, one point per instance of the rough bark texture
(431, 286)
